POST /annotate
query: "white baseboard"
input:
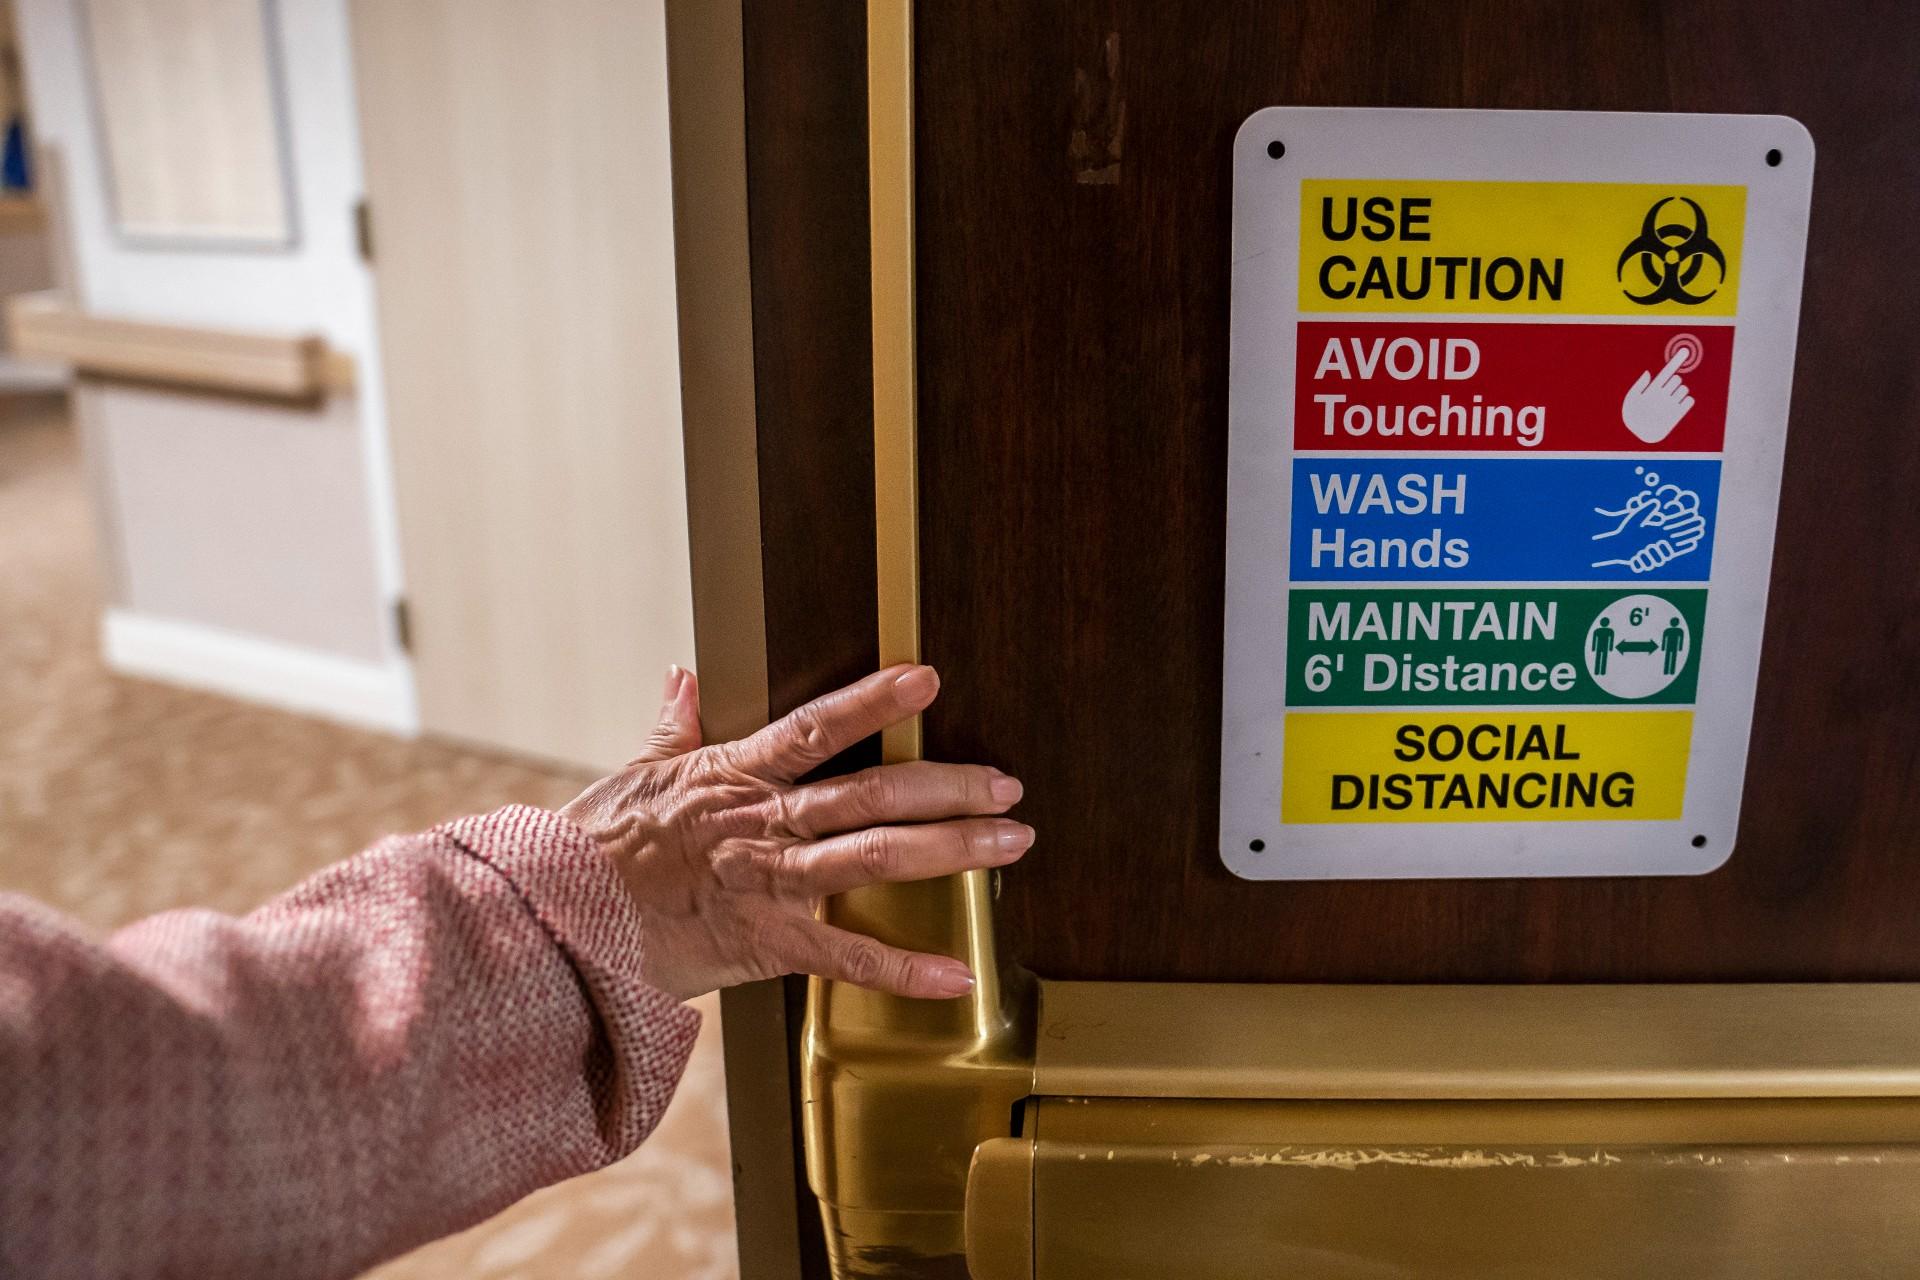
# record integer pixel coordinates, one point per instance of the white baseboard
(371, 694)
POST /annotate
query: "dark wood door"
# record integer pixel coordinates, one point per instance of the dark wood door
(1073, 206)
(1074, 313)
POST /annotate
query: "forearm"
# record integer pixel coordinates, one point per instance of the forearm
(398, 1048)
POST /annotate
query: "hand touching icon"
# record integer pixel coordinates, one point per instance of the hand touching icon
(1656, 402)
(1664, 518)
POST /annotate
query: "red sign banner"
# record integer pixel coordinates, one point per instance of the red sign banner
(1431, 387)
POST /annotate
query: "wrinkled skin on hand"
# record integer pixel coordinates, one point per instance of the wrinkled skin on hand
(728, 858)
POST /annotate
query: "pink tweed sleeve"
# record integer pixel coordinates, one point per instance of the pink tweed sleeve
(398, 1048)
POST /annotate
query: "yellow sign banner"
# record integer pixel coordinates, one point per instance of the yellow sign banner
(1520, 248)
(1457, 766)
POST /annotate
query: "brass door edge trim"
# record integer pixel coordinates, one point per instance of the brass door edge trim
(895, 383)
(897, 1093)
(1188, 1040)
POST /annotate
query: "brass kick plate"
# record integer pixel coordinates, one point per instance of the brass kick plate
(1146, 1189)
(1460, 1133)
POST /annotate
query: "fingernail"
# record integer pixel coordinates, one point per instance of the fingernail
(1005, 790)
(952, 980)
(1014, 837)
(917, 684)
(675, 674)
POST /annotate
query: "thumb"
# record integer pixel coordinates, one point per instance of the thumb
(678, 730)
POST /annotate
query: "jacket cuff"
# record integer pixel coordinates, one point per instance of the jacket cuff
(572, 888)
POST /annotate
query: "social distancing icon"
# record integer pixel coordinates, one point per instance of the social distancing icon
(1638, 646)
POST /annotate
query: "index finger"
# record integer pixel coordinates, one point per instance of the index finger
(811, 735)
(1671, 367)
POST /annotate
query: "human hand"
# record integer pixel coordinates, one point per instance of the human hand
(728, 860)
(1656, 402)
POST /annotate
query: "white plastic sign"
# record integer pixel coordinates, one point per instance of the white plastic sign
(1508, 403)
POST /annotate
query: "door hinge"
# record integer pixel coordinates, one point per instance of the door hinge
(363, 229)
(403, 625)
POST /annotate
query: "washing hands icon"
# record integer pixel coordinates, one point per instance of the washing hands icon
(1663, 518)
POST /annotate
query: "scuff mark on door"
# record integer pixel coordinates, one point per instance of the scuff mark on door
(1099, 120)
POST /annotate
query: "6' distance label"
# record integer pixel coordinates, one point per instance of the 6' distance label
(1507, 410)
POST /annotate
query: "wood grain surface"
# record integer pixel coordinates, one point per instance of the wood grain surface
(1074, 214)
(806, 113)
(1074, 210)
(1074, 206)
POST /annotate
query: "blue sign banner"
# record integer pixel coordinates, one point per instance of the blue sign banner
(1503, 519)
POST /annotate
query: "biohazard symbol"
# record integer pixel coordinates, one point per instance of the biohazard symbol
(1672, 255)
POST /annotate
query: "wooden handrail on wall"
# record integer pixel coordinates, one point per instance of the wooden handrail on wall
(45, 326)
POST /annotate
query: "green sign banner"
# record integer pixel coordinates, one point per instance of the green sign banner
(1494, 646)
